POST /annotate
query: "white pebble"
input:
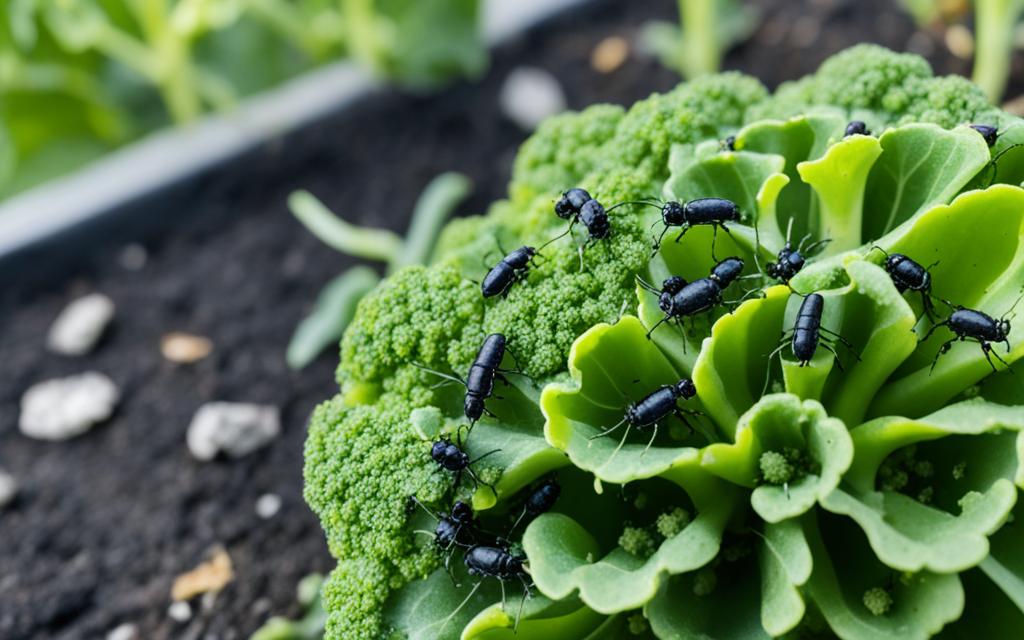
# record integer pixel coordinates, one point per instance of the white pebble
(530, 95)
(180, 612)
(63, 408)
(237, 429)
(8, 488)
(126, 631)
(79, 326)
(268, 505)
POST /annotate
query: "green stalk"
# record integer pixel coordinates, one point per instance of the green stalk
(701, 52)
(372, 244)
(995, 21)
(285, 18)
(176, 78)
(433, 208)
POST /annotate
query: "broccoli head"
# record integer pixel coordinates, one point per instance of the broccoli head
(836, 504)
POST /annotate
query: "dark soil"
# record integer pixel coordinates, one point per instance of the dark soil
(106, 521)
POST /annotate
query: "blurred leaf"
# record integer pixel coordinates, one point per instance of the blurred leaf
(334, 309)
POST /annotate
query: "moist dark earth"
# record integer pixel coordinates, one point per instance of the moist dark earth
(106, 521)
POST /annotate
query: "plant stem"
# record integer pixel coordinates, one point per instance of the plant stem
(434, 206)
(372, 244)
(701, 51)
(994, 21)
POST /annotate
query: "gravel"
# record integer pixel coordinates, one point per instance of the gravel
(63, 408)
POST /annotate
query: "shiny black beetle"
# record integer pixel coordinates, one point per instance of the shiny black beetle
(970, 324)
(988, 132)
(806, 334)
(679, 299)
(652, 409)
(576, 205)
(715, 212)
(510, 270)
(908, 275)
(480, 379)
(540, 500)
(857, 127)
(450, 456)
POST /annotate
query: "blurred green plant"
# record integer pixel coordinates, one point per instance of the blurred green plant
(995, 23)
(79, 77)
(310, 626)
(706, 30)
(337, 302)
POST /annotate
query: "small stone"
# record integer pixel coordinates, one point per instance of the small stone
(211, 576)
(8, 488)
(185, 348)
(62, 408)
(235, 428)
(268, 505)
(126, 631)
(960, 41)
(180, 612)
(133, 257)
(79, 326)
(531, 95)
(609, 54)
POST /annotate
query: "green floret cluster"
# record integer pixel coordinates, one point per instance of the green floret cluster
(791, 482)
(896, 88)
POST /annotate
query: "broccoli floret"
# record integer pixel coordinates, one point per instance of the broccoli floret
(428, 316)
(898, 87)
(672, 522)
(775, 469)
(362, 463)
(878, 601)
(563, 151)
(365, 454)
(637, 542)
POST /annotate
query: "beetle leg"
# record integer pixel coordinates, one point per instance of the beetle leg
(987, 349)
(657, 243)
(682, 417)
(944, 323)
(943, 349)
(607, 431)
(685, 227)
(651, 330)
(651, 442)
(838, 362)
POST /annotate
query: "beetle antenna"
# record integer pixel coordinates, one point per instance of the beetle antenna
(607, 431)
(446, 376)
(451, 615)
(424, 507)
(558, 237)
(625, 202)
(1010, 315)
(647, 286)
(483, 456)
(875, 247)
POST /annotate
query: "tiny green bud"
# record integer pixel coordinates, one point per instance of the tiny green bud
(775, 469)
(704, 582)
(924, 469)
(672, 522)
(490, 475)
(878, 601)
(637, 624)
(960, 471)
(637, 542)
(926, 495)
